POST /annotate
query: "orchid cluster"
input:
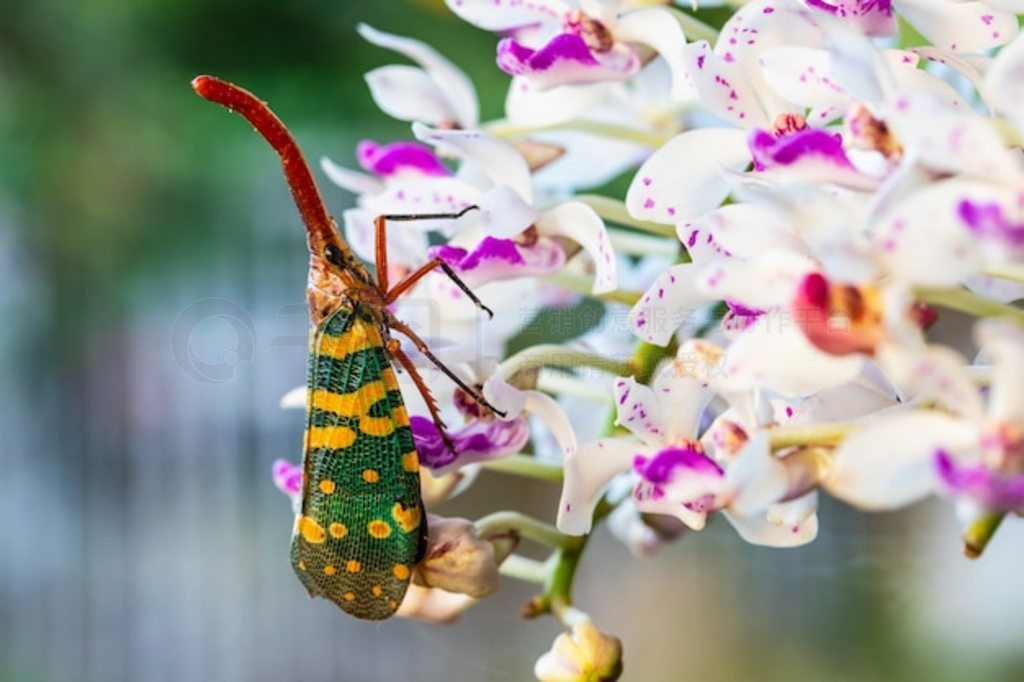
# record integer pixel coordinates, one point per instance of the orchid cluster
(821, 191)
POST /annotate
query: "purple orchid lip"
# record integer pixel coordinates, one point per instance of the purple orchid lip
(389, 159)
(770, 151)
(875, 17)
(990, 489)
(287, 477)
(479, 440)
(516, 59)
(663, 467)
(989, 221)
(499, 259)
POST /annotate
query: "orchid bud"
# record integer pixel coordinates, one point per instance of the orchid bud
(583, 655)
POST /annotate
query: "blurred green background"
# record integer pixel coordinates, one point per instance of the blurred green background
(140, 536)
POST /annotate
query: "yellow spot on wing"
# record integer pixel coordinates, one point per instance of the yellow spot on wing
(408, 519)
(327, 487)
(353, 566)
(338, 531)
(330, 437)
(302, 565)
(352, 404)
(311, 531)
(371, 476)
(411, 461)
(379, 529)
(349, 596)
(401, 571)
(377, 590)
(330, 570)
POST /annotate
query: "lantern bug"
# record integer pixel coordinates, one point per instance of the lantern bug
(360, 527)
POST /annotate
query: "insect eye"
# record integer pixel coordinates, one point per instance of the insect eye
(332, 255)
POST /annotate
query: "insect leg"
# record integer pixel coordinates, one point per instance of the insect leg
(380, 226)
(410, 280)
(395, 349)
(422, 347)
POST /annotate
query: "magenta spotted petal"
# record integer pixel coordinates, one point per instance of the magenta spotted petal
(682, 475)
(478, 441)
(565, 59)
(989, 489)
(770, 151)
(496, 259)
(392, 159)
(873, 17)
(287, 478)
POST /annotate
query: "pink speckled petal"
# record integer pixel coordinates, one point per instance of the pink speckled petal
(576, 221)
(494, 259)
(803, 76)
(923, 239)
(671, 303)
(639, 411)
(873, 17)
(950, 140)
(686, 177)
(454, 86)
(738, 231)
(288, 478)
(399, 158)
(759, 530)
(960, 26)
(767, 281)
(588, 471)
(723, 88)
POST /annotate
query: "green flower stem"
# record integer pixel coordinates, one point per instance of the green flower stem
(979, 532)
(643, 245)
(582, 285)
(553, 355)
(1008, 271)
(563, 383)
(968, 302)
(521, 568)
(527, 467)
(526, 527)
(614, 211)
(820, 435)
(615, 132)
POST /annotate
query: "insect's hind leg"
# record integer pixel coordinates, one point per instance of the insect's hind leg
(422, 347)
(395, 349)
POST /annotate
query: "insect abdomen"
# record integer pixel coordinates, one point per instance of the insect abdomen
(358, 533)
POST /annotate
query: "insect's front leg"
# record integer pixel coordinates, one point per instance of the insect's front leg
(395, 349)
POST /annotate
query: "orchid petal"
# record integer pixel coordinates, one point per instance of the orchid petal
(774, 354)
(759, 530)
(767, 281)
(288, 478)
(399, 158)
(659, 29)
(350, 180)
(875, 19)
(682, 393)
(803, 76)
(498, 160)
(889, 462)
(1004, 82)
(477, 441)
(1003, 344)
(456, 87)
(409, 94)
(722, 87)
(933, 373)
(527, 105)
(960, 26)
(737, 230)
(639, 411)
(671, 185)
(667, 305)
(580, 223)
(588, 471)
(504, 16)
(297, 398)
(984, 487)
(405, 246)
(755, 479)
(948, 140)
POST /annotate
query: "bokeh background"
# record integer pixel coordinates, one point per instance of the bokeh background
(151, 279)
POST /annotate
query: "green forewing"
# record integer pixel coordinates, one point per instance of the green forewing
(361, 526)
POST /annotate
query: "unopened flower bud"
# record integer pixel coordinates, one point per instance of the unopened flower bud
(583, 655)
